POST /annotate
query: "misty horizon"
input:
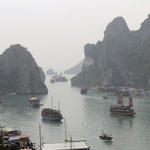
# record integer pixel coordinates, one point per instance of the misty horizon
(55, 32)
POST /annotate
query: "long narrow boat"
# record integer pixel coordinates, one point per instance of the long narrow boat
(71, 145)
(120, 109)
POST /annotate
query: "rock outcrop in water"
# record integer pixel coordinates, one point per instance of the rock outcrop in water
(19, 72)
(50, 72)
(121, 59)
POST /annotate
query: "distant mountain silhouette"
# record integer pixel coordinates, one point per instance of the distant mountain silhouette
(76, 69)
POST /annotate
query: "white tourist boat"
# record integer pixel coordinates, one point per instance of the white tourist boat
(34, 101)
(67, 145)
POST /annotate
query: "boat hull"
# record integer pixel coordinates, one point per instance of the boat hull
(72, 145)
(122, 110)
(123, 114)
(52, 119)
(34, 105)
(106, 138)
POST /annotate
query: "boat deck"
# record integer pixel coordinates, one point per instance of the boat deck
(66, 146)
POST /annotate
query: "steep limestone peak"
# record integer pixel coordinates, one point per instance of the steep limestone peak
(146, 23)
(145, 32)
(19, 72)
(118, 27)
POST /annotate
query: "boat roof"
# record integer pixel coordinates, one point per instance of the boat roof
(66, 146)
(13, 139)
(22, 136)
(33, 98)
(8, 129)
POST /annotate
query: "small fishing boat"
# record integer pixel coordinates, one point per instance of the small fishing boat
(34, 101)
(105, 97)
(52, 80)
(83, 90)
(106, 136)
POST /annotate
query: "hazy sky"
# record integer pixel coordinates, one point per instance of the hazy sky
(55, 31)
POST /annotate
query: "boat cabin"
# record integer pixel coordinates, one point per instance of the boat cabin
(9, 132)
(34, 101)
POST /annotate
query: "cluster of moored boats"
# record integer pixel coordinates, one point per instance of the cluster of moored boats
(13, 139)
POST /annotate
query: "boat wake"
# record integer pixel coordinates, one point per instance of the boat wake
(91, 127)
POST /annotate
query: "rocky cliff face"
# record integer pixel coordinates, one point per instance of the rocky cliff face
(19, 72)
(121, 59)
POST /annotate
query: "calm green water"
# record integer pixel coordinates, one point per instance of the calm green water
(86, 116)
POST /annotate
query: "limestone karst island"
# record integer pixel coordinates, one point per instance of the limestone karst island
(19, 73)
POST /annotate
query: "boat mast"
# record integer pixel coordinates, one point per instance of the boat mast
(65, 130)
(130, 101)
(59, 105)
(71, 143)
(40, 136)
(52, 101)
(120, 101)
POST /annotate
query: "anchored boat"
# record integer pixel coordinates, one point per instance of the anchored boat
(34, 101)
(120, 109)
(52, 114)
(84, 90)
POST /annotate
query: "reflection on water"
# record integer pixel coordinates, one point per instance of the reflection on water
(123, 120)
(52, 123)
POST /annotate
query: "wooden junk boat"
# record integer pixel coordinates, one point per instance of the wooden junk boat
(120, 109)
(52, 114)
